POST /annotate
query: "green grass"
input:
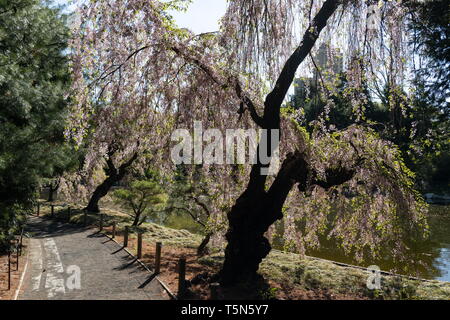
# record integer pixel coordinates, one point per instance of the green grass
(311, 273)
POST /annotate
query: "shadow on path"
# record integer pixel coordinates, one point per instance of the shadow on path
(107, 271)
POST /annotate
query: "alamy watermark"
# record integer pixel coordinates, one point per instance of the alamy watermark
(73, 282)
(374, 279)
(236, 146)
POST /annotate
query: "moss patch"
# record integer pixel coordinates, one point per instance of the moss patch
(316, 274)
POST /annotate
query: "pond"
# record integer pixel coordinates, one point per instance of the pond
(433, 255)
(431, 258)
(440, 237)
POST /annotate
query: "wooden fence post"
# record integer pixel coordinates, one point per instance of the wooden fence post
(9, 269)
(69, 213)
(17, 255)
(214, 287)
(52, 210)
(125, 237)
(158, 258)
(139, 246)
(181, 277)
(114, 230)
(38, 209)
(21, 241)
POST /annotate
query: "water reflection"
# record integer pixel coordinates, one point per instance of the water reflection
(429, 259)
(443, 264)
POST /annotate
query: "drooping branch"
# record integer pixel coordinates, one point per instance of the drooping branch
(124, 167)
(249, 103)
(201, 249)
(230, 81)
(202, 205)
(117, 67)
(193, 216)
(275, 98)
(294, 169)
(297, 170)
(337, 176)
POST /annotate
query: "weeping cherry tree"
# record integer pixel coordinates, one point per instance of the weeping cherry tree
(349, 185)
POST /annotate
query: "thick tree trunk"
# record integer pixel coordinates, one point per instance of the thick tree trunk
(202, 248)
(247, 246)
(101, 191)
(256, 209)
(114, 176)
(250, 218)
(254, 212)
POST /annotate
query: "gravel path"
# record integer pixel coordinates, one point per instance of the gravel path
(72, 263)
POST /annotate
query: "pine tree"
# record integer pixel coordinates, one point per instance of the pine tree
(34, 75)
(143, 198)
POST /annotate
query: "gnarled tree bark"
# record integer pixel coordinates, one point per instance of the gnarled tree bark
(257, 209)
(114, 175)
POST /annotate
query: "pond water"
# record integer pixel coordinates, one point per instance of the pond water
(432, 257)
(440, 236)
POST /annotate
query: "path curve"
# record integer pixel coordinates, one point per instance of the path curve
(67, 262)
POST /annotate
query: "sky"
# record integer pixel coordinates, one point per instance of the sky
(202, 16)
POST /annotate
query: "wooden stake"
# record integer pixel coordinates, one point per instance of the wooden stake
(21, 241)
(114, 230)
(9, 269)
(181, 277)
(17, 255)
(139, 246)
(158, 257)
(69, 213)
(214, 287)
(125, 237)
